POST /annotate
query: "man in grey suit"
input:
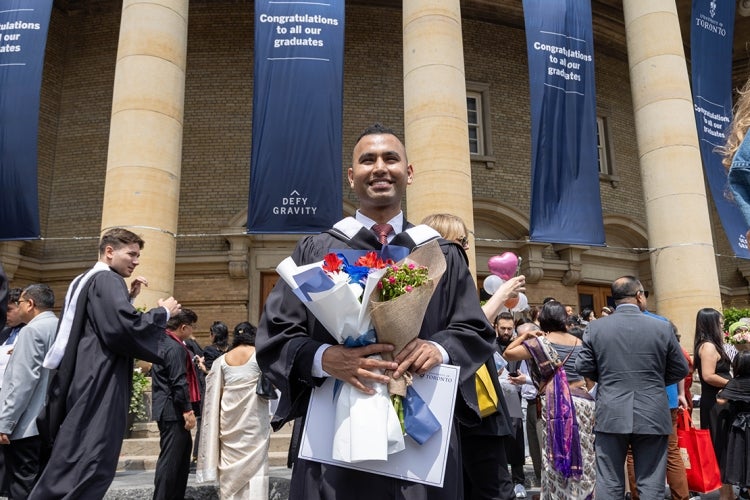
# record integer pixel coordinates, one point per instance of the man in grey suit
(632, 357)
(24, 389)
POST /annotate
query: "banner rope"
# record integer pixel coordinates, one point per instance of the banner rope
(490, 240)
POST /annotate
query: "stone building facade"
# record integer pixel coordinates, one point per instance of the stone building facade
(225, 274)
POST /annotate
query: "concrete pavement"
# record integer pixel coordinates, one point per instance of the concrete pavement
(139, 485)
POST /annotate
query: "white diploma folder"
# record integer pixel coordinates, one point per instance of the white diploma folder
(422, 464)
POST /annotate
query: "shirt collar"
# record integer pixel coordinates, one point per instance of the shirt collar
(627, 304)
(397, 222)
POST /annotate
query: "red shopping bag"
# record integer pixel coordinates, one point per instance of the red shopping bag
(697, 452)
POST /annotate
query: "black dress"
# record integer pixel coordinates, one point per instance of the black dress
(733, 419)
(708, 403)
(708, 391)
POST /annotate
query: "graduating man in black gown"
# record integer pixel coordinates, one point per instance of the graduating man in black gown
(100, 333)
(297, 353)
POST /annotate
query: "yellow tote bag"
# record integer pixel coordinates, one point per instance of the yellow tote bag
(486, 394)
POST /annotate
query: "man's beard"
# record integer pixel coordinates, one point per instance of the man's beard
(503, 341)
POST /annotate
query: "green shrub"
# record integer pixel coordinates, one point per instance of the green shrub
(733, 314)
(137, 404)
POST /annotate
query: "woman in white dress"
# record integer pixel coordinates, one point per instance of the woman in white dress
(236, 423)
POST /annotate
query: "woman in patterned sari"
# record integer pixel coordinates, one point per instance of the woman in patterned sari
(568, 470)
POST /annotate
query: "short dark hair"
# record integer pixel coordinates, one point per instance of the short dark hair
(503, 315)
(42, 295)
(552, 317)
(244, 334)
(14, 294)
(377, 129)
(117, 238)
(184, 317)
(625, 286)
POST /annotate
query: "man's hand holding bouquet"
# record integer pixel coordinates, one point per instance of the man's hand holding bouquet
(375, 299)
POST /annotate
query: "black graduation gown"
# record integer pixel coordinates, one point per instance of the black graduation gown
(88, 412)
(288, 337)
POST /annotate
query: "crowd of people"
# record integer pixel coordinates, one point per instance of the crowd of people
(65, 387)
(601, 394)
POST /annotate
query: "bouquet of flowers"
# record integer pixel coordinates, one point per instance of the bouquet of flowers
(397, 314)
(739, 336)
(346, 299)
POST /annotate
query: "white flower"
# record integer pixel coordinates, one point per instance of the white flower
(338, 277)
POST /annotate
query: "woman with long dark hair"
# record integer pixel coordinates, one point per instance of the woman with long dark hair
(236, 423)
(712, 365)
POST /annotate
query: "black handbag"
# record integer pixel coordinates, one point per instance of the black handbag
(265, 388)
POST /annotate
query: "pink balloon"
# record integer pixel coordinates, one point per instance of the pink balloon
(504, 265)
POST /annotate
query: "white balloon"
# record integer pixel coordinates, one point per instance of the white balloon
(523, 303)
(492, 283)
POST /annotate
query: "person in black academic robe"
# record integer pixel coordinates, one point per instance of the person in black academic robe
(84, 420)
(289, 336)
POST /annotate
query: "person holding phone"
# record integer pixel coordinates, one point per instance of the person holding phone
(510, 381)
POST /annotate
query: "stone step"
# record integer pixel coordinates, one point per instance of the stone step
(136, 462)
(140, 446)
(141, 453)
(280, 439)
(148, 462)
(277, 458)
(144, 430)
(138, 485)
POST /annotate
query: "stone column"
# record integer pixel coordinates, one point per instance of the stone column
(142, 186)
(679, 228)
(435, 121)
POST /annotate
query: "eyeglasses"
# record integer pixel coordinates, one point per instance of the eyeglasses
(463, 241)
(644, 292)
(505, 328)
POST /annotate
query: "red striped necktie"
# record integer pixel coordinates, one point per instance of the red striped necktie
(382, 231)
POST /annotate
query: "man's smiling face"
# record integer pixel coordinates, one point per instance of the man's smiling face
(379, 174)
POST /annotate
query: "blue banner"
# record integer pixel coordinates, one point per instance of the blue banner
(296, 170)
(23, 37)
(565, 201)
(711, 34)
